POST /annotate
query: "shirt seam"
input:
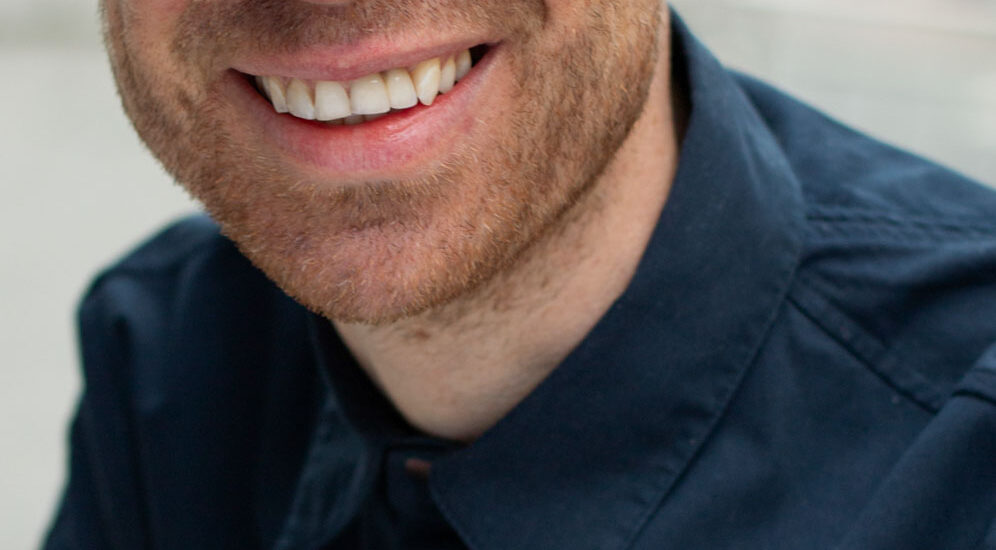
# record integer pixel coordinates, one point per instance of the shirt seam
(920, 225)
(865, 348)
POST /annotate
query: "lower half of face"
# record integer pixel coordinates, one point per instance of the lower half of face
(374, 218)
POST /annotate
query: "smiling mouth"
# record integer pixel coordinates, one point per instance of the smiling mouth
(369, 97)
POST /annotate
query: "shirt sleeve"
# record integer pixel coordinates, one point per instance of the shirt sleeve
(101, 507)
(942, 493)
(78, 522)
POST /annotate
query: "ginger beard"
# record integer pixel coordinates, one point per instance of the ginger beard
(574, 77)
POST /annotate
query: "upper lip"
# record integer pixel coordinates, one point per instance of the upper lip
(348, 62)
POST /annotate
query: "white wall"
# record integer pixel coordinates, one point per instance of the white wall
(80, 189)
(919, 73)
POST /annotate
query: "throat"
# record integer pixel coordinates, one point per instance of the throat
(456, 371)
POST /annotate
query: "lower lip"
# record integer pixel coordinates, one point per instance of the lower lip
(394, 145)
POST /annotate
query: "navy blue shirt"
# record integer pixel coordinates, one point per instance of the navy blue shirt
(804, 359)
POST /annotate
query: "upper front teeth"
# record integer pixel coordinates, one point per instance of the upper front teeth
(299, 100)
(400, 89)
(426, 76)
(331, 101)
(371, 95)
(368, 95)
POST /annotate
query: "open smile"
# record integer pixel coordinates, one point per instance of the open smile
(371, 96)
(351, 125)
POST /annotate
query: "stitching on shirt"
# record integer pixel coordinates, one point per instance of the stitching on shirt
(829, 221)
(864, 347)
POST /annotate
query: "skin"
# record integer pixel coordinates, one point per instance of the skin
(460, 283)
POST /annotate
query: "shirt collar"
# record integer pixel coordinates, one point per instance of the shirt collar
(356, 425)
(585, 459)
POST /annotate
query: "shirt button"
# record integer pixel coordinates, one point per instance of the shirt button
(418, 468)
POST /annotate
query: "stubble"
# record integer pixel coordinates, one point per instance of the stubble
(378, 251)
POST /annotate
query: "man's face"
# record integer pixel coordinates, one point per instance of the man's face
(388, 218)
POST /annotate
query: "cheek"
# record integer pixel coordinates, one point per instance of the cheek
(560, 9)
(155, 9)
(146, 22)
(143, 32)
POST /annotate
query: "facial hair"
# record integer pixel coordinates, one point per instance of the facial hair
(378, 251)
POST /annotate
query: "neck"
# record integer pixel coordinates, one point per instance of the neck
(456, 371)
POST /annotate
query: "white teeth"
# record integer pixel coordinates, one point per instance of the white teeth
(299, 100)
(400, 89)
(274, 87)
(261, 86)
(366, 98)
(426, 77)
(331, 101)
(463, 64)
(368, 95)
(447, 76)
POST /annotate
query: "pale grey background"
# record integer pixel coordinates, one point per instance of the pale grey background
(80, 189)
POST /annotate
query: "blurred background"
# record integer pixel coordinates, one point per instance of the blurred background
(81, 189)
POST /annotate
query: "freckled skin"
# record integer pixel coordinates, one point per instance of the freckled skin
(573, 82)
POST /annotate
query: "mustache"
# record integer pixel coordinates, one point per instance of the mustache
(282, 26)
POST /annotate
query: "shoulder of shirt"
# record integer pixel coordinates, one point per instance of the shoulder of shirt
(171, 246)
(189, 257)
(845, 173)
(899, 260)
